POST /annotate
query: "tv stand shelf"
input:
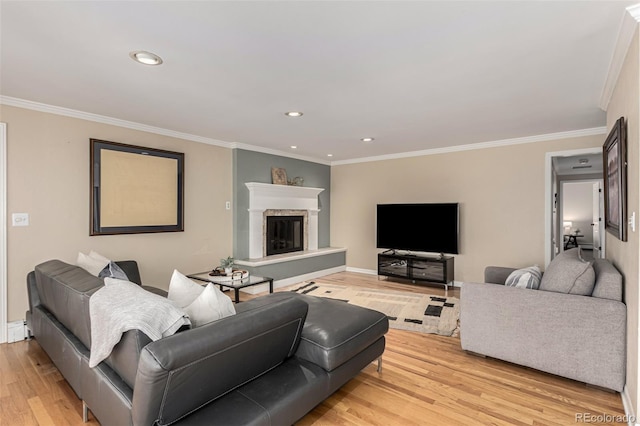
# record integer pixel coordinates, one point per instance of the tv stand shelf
(438, 270)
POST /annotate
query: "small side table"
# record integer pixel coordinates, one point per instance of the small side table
(571, 240)
(251, 280)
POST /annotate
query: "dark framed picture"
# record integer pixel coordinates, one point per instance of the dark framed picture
(614, 155)
(135, 189)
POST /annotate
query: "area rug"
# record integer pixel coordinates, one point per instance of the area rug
(406, 311)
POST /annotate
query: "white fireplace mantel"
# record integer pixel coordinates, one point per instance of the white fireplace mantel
(265, 196)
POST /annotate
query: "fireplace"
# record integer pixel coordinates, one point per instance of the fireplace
(284, 234)
(266, 200)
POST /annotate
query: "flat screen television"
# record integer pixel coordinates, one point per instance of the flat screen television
(418, 227)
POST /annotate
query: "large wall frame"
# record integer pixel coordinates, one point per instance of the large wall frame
(614, 156)
(135, 189)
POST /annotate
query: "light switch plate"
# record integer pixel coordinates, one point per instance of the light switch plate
(20, 219)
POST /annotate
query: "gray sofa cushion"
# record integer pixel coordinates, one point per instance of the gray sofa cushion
(567, 273)
(608, 281)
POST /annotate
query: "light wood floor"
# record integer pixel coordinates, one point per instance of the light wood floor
(426, 380)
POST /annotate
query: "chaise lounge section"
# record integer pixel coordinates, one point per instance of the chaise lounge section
(270, 364)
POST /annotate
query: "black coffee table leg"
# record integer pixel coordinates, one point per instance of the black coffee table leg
(237, 290)
(270, 286)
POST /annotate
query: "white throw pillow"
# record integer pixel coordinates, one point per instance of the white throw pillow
(92, 264)
(211, 305)
(525, 278)
(202, 304)
(98, 257)
(182, 290)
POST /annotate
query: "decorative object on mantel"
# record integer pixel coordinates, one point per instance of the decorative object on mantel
(296, 181)
(278, 176)
(227, 264)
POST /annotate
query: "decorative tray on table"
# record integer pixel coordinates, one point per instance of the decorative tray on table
(237, 274)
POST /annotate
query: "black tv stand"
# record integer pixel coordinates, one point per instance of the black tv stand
(419, 269)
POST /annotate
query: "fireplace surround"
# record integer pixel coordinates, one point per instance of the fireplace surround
(281, 200)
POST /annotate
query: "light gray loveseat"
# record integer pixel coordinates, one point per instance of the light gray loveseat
(579, 336)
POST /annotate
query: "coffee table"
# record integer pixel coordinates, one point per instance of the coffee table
(236, 285)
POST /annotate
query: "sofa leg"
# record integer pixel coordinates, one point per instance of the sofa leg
(85, 412)
(379, 369)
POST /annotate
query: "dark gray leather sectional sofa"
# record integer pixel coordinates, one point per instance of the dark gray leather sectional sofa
(270, 364)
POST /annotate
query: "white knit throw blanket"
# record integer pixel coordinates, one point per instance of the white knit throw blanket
(121, 306)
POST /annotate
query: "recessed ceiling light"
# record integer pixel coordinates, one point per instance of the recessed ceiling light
(293, 114)
(367, 139)
(329, 155)
(293, 147)
(146, 58)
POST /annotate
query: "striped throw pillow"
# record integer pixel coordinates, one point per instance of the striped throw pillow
(525, 278)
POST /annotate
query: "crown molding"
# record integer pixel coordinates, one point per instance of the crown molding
(626, 32)
(67, 112)
(247, 147)
(52, 109)
(482, 145)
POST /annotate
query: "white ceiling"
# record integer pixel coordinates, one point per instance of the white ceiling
(413, 75)
(584, 164)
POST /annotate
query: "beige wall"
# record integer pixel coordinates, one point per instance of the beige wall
(48, 177)
(500, 191)
(625, 102)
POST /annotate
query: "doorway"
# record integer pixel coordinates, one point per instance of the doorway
(580, 211)
(574, 202)
(3, 232)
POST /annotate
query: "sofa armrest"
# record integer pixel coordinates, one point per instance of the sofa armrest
(32, 290)
(579, 337)
(181, 373)
(497, 274)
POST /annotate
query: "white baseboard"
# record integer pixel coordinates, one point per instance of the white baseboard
(362, 271)
(261, 288)
(17, 331)
(630, 415)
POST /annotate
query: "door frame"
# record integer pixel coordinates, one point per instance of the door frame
(549, 193)
(3, 233)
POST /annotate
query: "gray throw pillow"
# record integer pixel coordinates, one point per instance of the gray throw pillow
(525, 278)
(112, 270)
(567, 273)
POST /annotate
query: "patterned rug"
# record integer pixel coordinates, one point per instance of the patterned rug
(406, 311)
